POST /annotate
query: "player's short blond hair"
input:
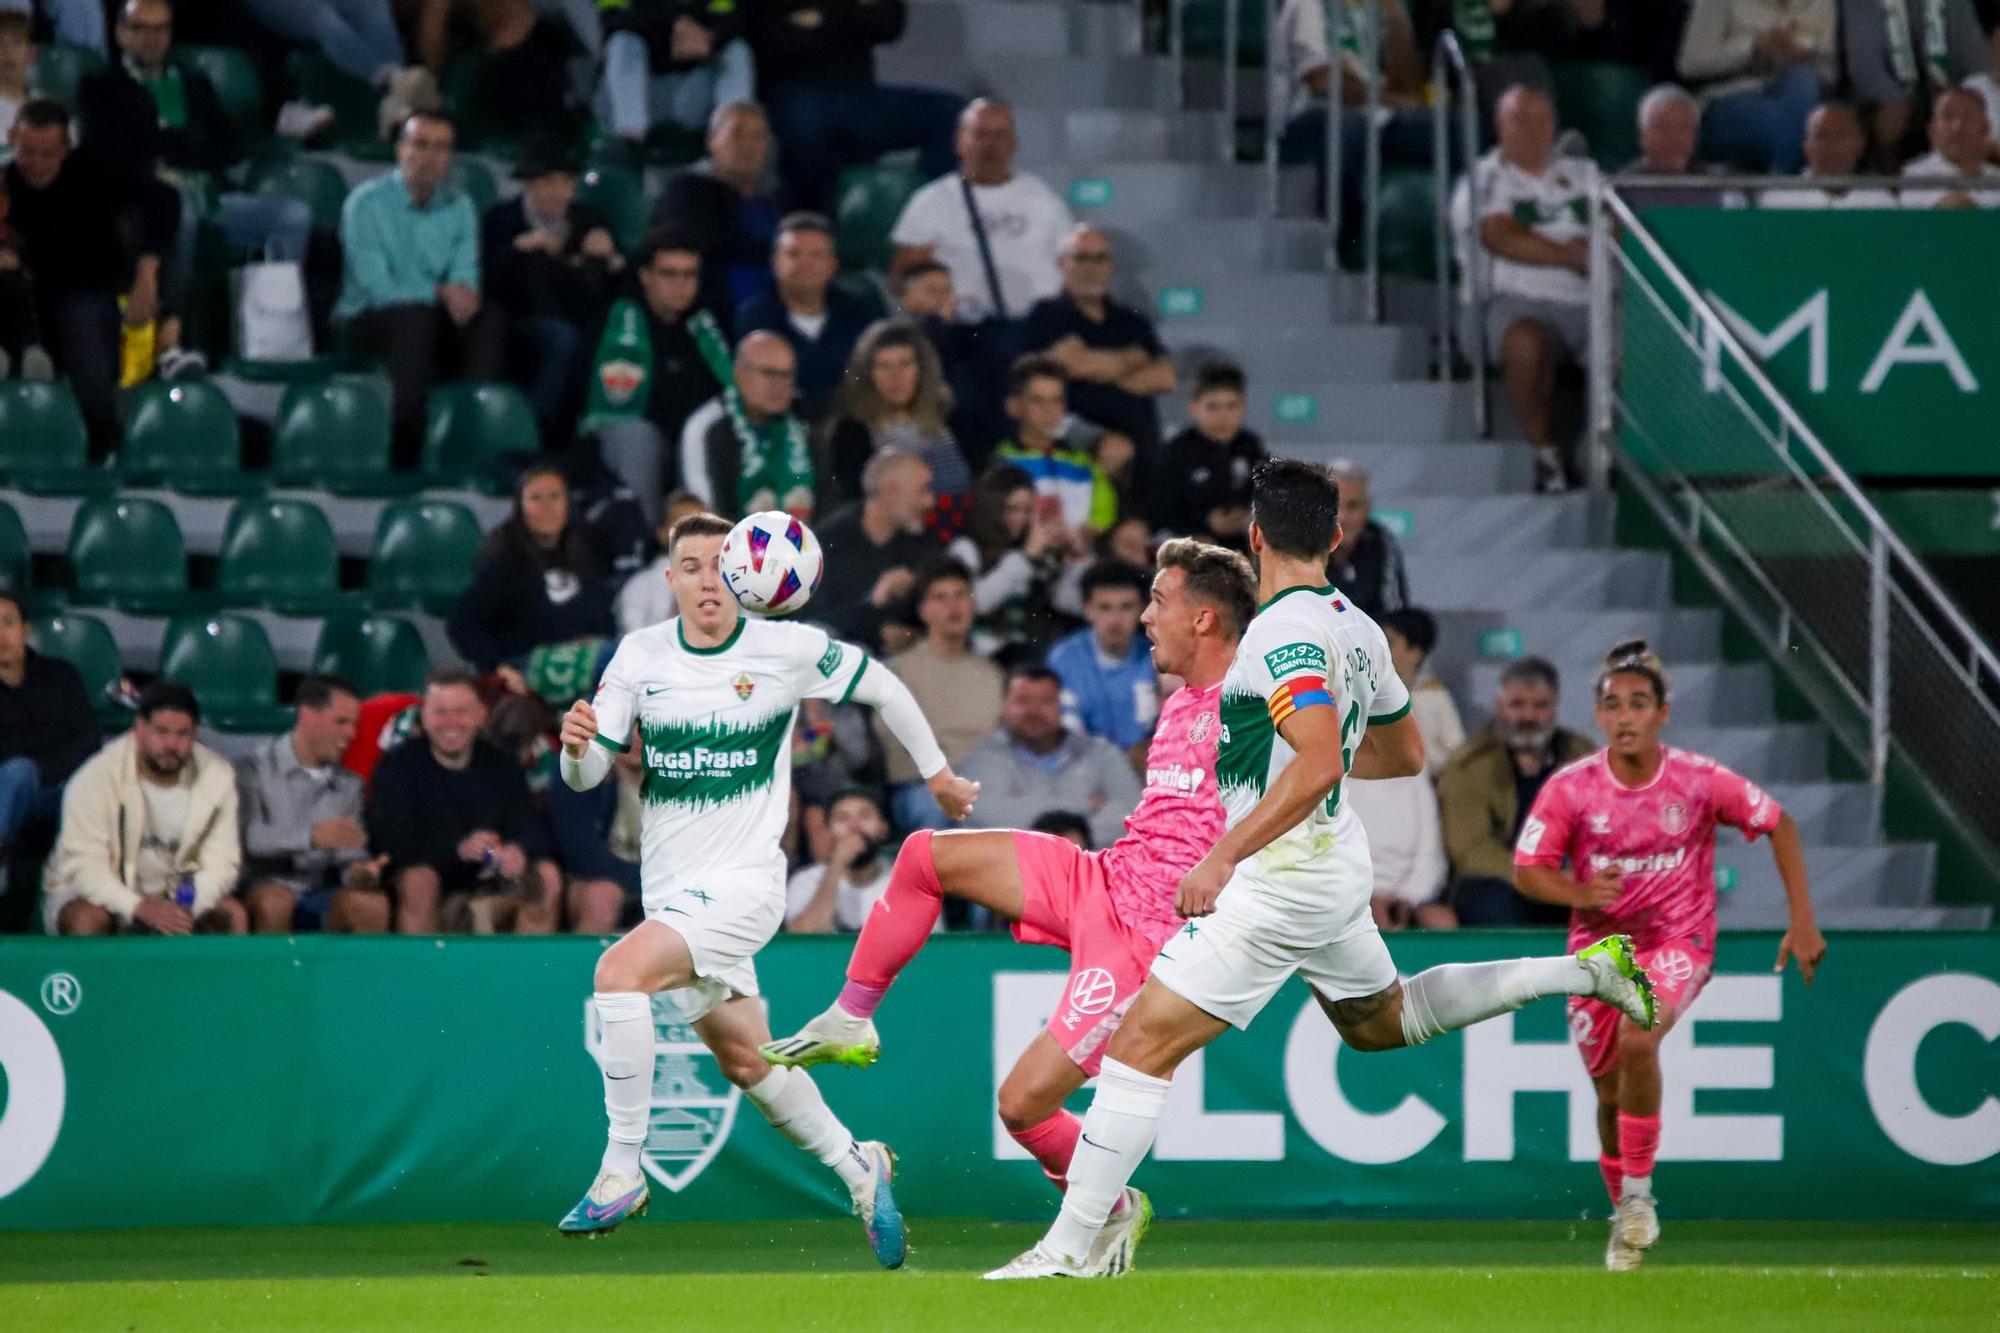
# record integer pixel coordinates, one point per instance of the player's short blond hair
(1217, 577)
(1635, 657)
(698, 525)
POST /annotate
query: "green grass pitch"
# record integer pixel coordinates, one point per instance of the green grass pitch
(1345, 1275)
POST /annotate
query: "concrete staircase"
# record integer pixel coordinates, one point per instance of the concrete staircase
(1505, 571)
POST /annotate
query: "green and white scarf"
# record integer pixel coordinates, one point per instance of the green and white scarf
(777, 465)
(1937, 46)
(1472, 20)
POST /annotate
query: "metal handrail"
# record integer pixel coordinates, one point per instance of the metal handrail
(1451, 74)
(1333, 15)
(1231, 15)
(1765, 184)
(1371, 165)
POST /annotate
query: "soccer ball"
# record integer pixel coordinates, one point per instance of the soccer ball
(772, 563)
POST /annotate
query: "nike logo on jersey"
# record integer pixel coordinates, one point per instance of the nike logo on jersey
(652, 690)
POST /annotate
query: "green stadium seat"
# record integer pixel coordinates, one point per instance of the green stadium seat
(1204, 23)
(43, 447)
(17, 558)
(620, 194)
(227, 661)
(59, 69)
(184, 434)
(281, 554)
(424, 551)
(375, 654)
(335, 436)
(237, 84)
(86, 643)
(1409, 222)
(476, 179)
(314, 181)
(475, 432)
(1601, 99)
(868, 201)
(127, 551)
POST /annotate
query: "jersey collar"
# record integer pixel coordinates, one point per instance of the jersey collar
(680, 630)
(1323, 590)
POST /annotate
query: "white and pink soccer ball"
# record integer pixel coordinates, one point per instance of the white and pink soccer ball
(772, 563)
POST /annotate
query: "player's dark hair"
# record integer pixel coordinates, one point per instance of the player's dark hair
(1034, 672)
(698, 525)
(1114, 574)
(445, 678)
(941, 569)
(1217, 577)
(317, 691)
(1297, 505)
(1026, 370)
(1531, 671)
(1219, 377)
(1063, 823)
(1418, 627)
(1634, 657)
(168, 696)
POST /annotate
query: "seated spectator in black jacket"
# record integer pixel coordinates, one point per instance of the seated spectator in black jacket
(728, 205)
(819, 320)
(88, 235)
(1368, 563)
(971, 355)
(453, 817)
(746, 450)
(894, 399)
(670, 62)
(548, 262)
(46, 729)
(874, 548)
(816, 71)
(538, 580)
(1204, 488)
(1116, 364)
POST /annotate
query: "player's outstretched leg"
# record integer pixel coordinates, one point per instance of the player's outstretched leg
(620, 1189)
(1456, 995)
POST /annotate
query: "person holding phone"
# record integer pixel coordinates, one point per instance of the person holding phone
(836, 894)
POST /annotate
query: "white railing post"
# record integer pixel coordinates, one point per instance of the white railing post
(1441, 90)
(1878, 657)
(1597, 436)
(1177, 52)
(1330, 180)
(1230, 15)
(1277, 99)
(1371, 179)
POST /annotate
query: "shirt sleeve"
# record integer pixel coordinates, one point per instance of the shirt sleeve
(919, 222)
(617, 701)
(1742, 804)
(1392, 698)
(464, 266)
(824, 667)
(1544, 839)
(1288, 664)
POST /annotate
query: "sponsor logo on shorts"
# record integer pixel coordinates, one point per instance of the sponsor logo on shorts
(1672, 965)
(1674, 820)
(1091, 993)
(1296, 657)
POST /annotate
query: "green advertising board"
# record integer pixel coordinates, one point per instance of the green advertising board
(1880, 328)
(269, 1081)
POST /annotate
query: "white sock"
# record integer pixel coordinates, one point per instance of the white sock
(791, 1102)
(627, 1059)
(1456, 995)
(1635, 1186)
(1117, 1134)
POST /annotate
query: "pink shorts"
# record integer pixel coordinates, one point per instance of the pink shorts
(1066, 902)
(1679, 969)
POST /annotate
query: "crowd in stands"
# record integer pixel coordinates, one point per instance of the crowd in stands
(989, 443)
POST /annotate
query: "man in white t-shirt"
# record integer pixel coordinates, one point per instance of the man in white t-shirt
(1024, 220)
(1958, 133)
(1534, 237)
(837, 894)
(1835, 141)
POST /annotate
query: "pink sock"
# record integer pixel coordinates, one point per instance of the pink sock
(1613, 1170)
(897, 927)
(1638, 1141)
(1052, 1143)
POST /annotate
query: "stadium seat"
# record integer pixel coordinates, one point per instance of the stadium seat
(127, 551)
(1409, 222)
(1601, 99)
(59, 69)
(620, 194)
(375, 654)
(475, 432)
(869, 199)
(86, 643)
(17, 558)
(424, 551)
(43, 447)
(281, 554)
(1204, 24)
(314, 181)
(335, 436)
(236, 83)
(227, 661)
(184, 435)
(476, 179)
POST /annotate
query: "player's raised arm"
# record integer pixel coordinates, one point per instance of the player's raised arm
(1313, 731)
(593, 728)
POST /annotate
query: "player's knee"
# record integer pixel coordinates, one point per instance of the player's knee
(1023, 1106)
(621, 971)
(742, 1063)
(1638, 1047)
(915, 865)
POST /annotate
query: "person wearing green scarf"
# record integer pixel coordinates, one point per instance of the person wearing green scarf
(1899, 55)
(747, 450)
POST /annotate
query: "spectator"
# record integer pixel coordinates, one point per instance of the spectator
(46, 729)
(89, 236)
(670, 62)
(1109, 687)
(1489, 785)
(17, 66)
(1405, 129)
(452, 818)
(1130, 540)
(597, 840)
(971, 356)
(1116, 364)
(894, 399)
(300, 812)
(1986, 82)
(1033, 765)
(148, 841)
(1205, 472)
(1412, 634)
(837, 894)
(745, 450)
(1406, 849)
(1367, 565)
(874, 548)
(802, 306)
(727, 206)
(411, 295)
(659, 359)
(537, 581)
(997, 230)
(1898, 55)
(1958, 133)
(359, 38)
(1761, 66)
(514, 87)
(1669, 124)
(924, 293)
(645, 599)
(1065, 824)
(816, 68)
(958, 689)
(1015, 549)
(1534, 231)
(548, 263)
(1835, 142)
(1069, 480)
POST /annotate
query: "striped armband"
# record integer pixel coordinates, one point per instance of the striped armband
(1296, 693)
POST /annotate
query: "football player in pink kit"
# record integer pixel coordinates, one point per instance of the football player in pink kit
(1636, 821)
(1111, 909)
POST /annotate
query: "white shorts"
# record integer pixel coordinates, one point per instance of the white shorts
(726, 923)
(1229, 964)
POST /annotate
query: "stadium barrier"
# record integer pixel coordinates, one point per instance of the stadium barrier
(271, 1081)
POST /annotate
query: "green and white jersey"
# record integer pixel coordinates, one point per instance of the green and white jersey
(716, 727)
(1306, 647)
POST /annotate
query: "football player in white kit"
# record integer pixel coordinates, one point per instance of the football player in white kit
(1310, 699)
(712, 693)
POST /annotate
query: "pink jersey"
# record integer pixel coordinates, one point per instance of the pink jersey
(1179, 816)
(1659, 837)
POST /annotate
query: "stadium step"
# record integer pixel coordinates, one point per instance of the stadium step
(1471, 637)
(958, 32)
(1887, 875)
(1469, 469)
(1151, 258)
(1291, 361)
(1151, 194)
(1448, 525)
(1084, 134)
(1575, 579)
(1107, 83)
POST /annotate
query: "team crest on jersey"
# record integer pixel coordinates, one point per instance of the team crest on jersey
(745, 687)
(1204, 723)
(693, 1106)
(1674, 819)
